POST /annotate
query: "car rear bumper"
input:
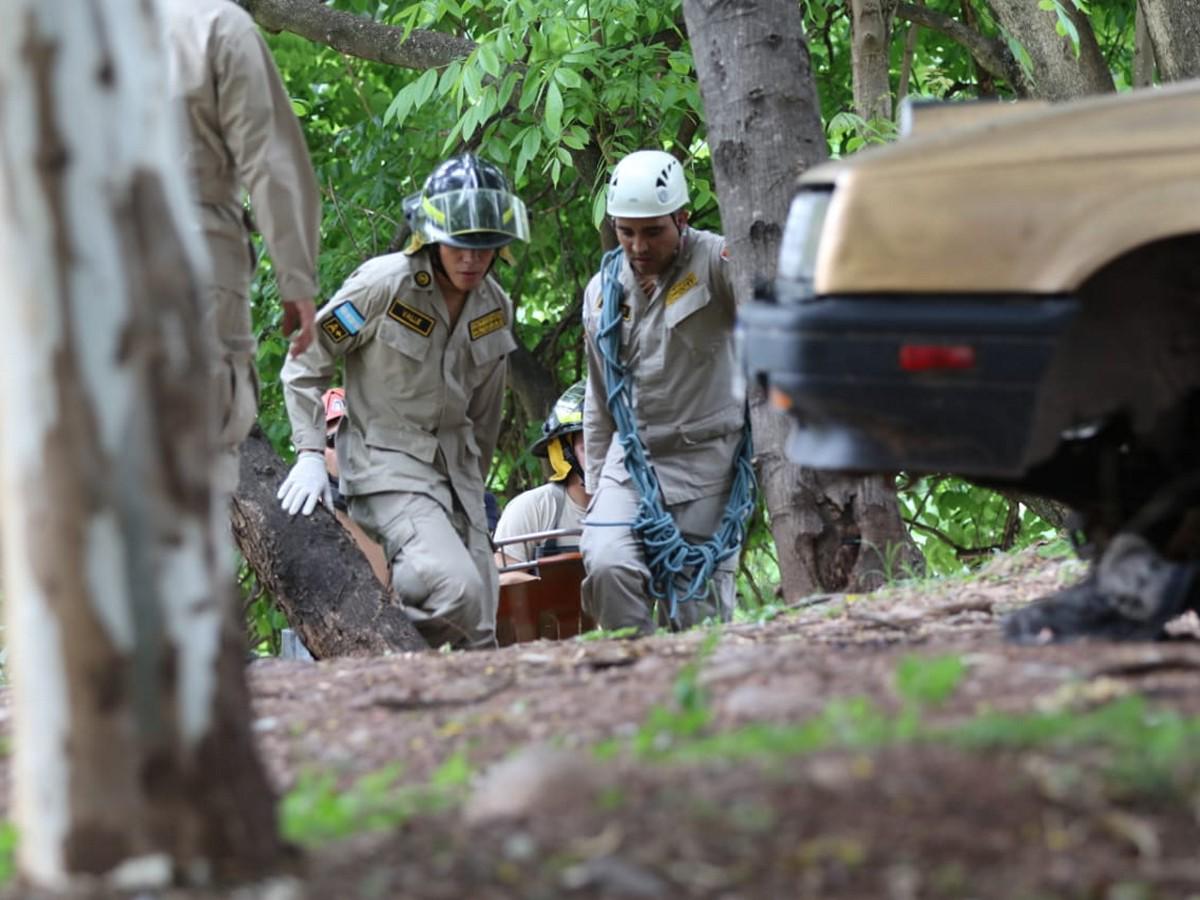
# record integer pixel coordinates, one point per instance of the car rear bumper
(837, 361)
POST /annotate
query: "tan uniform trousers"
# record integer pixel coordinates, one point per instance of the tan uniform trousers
(233, 374)
(616, 589)
(442, 568)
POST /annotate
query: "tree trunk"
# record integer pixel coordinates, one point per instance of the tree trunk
(871, 31)
(1174, 27)
(1144, 63)
(313, 568)
(1058, 73)
(764, 128)
(134, 759)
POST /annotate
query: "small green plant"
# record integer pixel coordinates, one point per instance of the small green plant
(265, 621)
(315, 810)
(602, 634)
(8, 851)
(928, 681)
(690, 713)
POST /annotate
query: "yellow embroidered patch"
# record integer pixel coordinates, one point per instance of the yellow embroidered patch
(486, 324)
(423, 279)
(336, 331)
(412, 319)
(682, 287)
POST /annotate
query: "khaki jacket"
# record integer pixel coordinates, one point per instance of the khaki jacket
(241, 133)
(678, 349)
(422, 402)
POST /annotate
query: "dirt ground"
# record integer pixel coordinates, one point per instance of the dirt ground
(542, 770)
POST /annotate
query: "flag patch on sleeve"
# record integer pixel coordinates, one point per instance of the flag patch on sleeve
(349, 317)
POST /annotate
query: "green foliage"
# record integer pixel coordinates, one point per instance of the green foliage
(959, 525)
(1139, 750)
(928, 681)
(9, 837)
(264, 619)
(315, 810)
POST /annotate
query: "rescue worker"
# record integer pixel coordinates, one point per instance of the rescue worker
(335, 407)
(424, 335)
(677, 318)
(563, 500)
(241, 135)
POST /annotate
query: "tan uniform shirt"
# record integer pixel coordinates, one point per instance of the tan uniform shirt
(544, 508)
(423, 402)
(678, 348)
(242, 134)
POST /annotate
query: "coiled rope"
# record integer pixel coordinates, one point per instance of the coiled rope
(673, 560)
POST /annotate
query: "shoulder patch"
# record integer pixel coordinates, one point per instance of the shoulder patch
(423, 278)
(334, 329)
(412, 319)
(682, 287)
(487, 323)
(344, 321)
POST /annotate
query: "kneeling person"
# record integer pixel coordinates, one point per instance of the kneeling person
(562, 502)
(424, 335)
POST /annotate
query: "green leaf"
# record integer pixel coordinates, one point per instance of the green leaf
(472, 84)
(506, 89)
(489, 60)
(401, 105)
(598, 209)
(554, 110)
(568, 78)
(530, 90)
(425, 86)
(575, 137)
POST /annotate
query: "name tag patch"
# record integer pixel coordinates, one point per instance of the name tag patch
(486, 324)
(682, 287)
(412, 319)
(344, 321)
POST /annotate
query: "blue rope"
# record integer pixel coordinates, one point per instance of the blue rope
(671, 558)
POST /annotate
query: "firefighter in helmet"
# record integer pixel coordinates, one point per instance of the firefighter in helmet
(560, 503)
(676, 319)
(424, 336)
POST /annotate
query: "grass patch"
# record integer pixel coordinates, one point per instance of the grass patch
(315, 810)
(1138, 748)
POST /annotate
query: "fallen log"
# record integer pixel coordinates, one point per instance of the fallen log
(313, 568)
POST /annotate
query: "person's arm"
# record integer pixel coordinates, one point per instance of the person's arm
(342, 325)
(720, 276)
(271, 156)
(598, 427)
(346, 322)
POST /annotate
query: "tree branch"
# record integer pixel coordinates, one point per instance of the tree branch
(990, 53)
(357, 35)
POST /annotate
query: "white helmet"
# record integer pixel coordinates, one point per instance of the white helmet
(647, 184)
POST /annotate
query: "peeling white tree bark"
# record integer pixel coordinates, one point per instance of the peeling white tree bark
(127, 695)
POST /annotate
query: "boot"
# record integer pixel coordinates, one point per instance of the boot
(1131, 593)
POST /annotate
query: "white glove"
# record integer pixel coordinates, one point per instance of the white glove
(307, 483)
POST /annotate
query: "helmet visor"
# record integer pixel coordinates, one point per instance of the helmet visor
(472, 211)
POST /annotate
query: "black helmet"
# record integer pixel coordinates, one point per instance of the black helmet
(564, 420)
(466, 202)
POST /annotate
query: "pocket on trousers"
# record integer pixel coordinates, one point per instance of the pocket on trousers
(237, 392)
